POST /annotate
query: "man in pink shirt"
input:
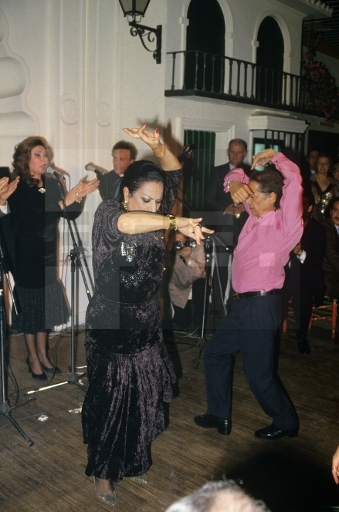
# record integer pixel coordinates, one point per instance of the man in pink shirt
(272, 199)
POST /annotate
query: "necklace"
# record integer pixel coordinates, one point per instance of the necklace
(42, 190)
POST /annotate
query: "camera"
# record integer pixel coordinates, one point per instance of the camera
(189, 243)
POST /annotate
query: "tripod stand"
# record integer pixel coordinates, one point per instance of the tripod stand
(210, 250)
(201, 340)
(5, 407)
(73, 377)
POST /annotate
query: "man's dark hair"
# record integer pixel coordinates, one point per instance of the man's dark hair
(238, 141)
(332, 202)
(313, 149)
(270, 180)
(124, 144)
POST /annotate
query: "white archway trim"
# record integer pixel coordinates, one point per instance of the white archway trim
(228, 18)
(285, 34)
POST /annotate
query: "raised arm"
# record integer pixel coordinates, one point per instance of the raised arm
(168, 160)
(291, 201)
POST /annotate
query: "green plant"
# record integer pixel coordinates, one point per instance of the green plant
(320, 85)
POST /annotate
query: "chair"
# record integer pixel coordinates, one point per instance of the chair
(328, 311)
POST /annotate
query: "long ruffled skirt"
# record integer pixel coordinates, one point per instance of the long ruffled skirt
(124, 407)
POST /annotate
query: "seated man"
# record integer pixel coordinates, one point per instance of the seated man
(304, 280)
(187, 283)
(331, 260)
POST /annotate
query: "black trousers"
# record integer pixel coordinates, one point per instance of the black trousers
(250, 328)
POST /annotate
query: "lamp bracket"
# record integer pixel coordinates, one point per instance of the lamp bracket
(148, 35)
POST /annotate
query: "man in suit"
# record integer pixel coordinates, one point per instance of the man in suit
(227, 219)
(331, 260)
(124, 153)
(312, 159)
(304, 280)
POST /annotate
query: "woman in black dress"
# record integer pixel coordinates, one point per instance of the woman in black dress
(324, 187)
(31, 232)
(130, 373)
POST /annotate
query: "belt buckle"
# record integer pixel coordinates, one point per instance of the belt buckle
(235, 296)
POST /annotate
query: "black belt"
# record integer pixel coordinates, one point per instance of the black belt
(262, 293)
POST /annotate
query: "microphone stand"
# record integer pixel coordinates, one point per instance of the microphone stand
(5, 407)
(73, 377)
(228, 249)
(209, 246)
(201, 340)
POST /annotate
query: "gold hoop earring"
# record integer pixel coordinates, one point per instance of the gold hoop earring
(125, 205)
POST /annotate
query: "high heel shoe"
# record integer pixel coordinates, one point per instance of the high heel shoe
(40, 376)
(108, 499)
(140, 479)
(52, 370)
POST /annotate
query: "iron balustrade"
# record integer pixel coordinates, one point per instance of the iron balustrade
(205, 74)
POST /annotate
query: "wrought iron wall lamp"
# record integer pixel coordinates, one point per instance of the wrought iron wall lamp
(147, 35)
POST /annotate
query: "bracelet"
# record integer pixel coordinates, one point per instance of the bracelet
(163, 152)
(173, 222)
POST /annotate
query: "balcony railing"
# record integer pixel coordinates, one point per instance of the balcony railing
(201, 74)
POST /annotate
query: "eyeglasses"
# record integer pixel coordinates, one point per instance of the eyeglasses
(237, 152)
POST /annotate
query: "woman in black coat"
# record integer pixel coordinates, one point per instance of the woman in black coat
(31, 235)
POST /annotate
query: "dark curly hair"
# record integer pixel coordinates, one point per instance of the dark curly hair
(124, 144)
(22, 156)
(139, 172)
(270, 180)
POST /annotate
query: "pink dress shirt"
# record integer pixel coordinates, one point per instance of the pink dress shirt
(264, 245)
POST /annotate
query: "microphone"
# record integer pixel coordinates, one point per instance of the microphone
(183, 259)
(55, 173)
(90, 167)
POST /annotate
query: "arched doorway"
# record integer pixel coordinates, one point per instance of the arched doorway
(205, 44)
(270, 61)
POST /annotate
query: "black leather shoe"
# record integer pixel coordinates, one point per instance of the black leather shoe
(304, 347)
(37, 376)
(52, 370)
(210, 421)
(273, 432)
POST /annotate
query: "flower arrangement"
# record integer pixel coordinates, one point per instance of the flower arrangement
(320, 85)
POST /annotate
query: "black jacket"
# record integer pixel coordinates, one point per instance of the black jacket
(216, 200)
(308, 278)
(30, 232)
(331, 260)
(109, 186)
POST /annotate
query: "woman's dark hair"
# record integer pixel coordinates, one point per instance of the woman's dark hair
(139, 172)
(22, 156)
(270, 180)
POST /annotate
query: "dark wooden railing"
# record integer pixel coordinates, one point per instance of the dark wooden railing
(205, 74)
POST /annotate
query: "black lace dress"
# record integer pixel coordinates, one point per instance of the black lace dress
(129, 370)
